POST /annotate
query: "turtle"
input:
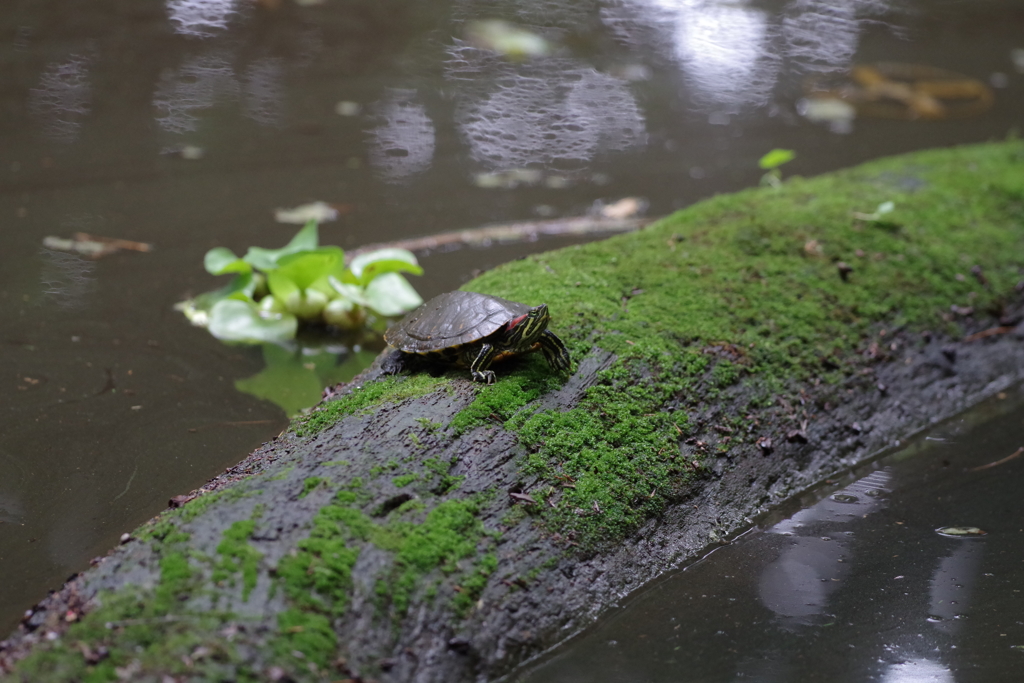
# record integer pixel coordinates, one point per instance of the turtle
(474, 330)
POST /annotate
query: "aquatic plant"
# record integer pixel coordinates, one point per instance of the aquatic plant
(273, 291)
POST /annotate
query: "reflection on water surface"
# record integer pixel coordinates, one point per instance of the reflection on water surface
(186, 124)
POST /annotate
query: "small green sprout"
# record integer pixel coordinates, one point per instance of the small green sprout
(771, 161)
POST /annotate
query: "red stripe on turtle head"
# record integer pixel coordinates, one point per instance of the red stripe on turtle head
(511, 324)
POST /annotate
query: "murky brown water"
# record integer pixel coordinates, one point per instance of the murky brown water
(110, 403)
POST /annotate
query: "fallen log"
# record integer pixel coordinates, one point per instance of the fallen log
(428, 528)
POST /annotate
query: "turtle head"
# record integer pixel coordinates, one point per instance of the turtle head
(526, 329)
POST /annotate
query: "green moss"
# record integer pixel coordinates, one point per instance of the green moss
(428, 426)
(311, 483)
(175, 580)
(318, 574)
(741, 293)
(346, 497)
(391, 389)
(404, 480)
(306, 632)
(445, 482)
(470, 589)
(238, 556)
(450, 532)
(739, 268)
(149, 627)
(724, 374)
(614, 460)
(164, 530)
(390, 466)
(283, 474)
(498, 402)
(132, 631)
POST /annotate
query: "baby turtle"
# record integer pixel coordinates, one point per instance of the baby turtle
(474, 330)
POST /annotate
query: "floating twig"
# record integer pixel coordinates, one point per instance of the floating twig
(93, 246)
(509, 233)
(1016, 454)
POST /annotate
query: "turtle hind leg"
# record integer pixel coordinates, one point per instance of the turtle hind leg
(480, 362)
(555, 351)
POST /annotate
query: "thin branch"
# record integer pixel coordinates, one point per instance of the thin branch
(1016, 454)
(509, 233)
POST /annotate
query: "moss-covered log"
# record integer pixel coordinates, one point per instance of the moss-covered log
(426, 528)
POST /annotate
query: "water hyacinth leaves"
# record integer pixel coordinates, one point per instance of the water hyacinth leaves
(235, 320)
(274, 290)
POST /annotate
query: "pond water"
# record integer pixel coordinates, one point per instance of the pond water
(111, 403)
(911, 572)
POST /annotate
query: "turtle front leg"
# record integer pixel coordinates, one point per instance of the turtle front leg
(555, 351)
(394, 363)
(478, 366)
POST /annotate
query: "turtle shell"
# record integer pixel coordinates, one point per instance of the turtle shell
(451, 320)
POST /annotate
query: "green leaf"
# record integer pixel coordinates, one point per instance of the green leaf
(306, 239)
(233, 320)
(306, 267)
(240, 287)
(366, 267)
(221, 260)
(776, 158)
(391, 295)
(344, 314)
(348, 292)
(307, 304)
(281, 286)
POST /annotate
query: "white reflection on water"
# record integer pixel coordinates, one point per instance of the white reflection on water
(63, 97)
(403, 144)
(200, 18)
(264, 91)
(541, 112)
(205, 81)
(951, 585)
(918, 671)
(66, 279)
(726, 53)
(198, 84)
(731, 53)
(823, 35)
(797, 585)
(724, 49)
(820, 36)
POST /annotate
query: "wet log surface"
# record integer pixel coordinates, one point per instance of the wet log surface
(396, 540)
